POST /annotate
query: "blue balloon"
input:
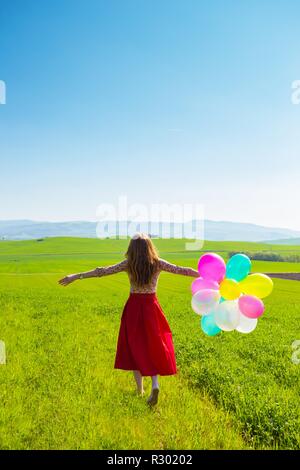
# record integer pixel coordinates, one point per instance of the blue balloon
(208, 325)
(238, 267)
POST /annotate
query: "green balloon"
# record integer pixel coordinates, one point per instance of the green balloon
(238, 267)
(208, 326)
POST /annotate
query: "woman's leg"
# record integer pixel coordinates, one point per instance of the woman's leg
(155, 381)
(139, 381)
(153, 399)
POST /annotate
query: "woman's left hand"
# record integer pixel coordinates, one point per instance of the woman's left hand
(65, 281)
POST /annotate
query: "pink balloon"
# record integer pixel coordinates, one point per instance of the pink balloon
(250, 306)
(200, 283)
(212, 266)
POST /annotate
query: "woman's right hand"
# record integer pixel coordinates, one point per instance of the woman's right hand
(65, 281)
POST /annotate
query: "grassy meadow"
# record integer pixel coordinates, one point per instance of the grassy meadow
(59, 389)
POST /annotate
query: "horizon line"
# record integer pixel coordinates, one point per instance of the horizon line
(147, 221)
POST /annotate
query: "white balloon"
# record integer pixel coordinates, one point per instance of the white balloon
(246, 324)
(205, 300)
(227, 315)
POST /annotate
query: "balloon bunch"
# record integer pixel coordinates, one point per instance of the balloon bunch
(228, 297)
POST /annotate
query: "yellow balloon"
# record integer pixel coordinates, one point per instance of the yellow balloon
(257, 284)
(230, 289)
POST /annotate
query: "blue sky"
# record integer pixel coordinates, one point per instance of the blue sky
(162, 101)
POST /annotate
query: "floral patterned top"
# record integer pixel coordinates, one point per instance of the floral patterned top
(150, 288)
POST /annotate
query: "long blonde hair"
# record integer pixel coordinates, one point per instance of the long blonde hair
(142, 259)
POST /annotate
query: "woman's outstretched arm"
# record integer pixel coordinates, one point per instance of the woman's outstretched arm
(173, 268)
(98, 272)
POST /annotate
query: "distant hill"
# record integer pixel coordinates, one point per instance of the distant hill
(235, 231)
(213, 230)
(28, 229)
(284, 241)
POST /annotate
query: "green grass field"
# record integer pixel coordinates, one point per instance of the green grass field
(59, 389)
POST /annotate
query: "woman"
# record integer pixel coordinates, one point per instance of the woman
(145, 344)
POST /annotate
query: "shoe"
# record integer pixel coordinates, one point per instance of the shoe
(153, 399)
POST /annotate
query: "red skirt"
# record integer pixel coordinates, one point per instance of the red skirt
(145, 340)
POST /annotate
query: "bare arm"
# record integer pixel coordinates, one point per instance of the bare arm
(97, 272)
(173, 268)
